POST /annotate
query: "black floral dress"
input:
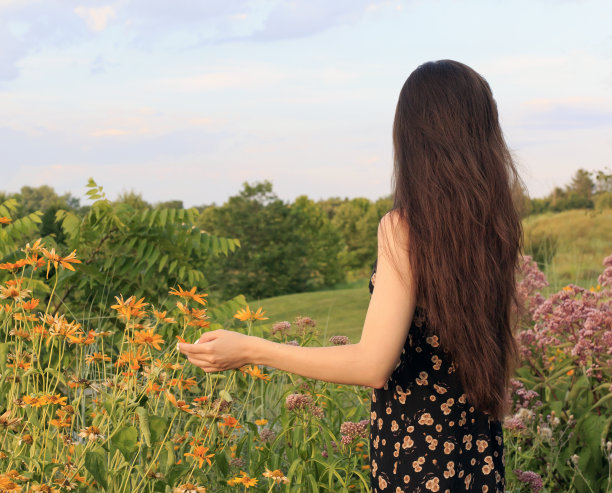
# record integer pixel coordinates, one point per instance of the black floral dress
(424, 434)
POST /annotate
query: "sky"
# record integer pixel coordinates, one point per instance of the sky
(188, 99)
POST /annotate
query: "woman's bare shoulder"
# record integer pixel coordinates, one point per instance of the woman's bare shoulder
(393, 235)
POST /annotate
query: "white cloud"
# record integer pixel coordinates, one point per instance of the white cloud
(96, 17)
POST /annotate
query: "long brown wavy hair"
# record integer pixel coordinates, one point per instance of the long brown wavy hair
(454, 186)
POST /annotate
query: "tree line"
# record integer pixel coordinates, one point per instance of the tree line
(254, 244)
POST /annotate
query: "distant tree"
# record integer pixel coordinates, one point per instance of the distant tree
(331, 205)
(133, 199)
(45, 199)
(582, 185)
(285, 248)
(357, 221)
(170, 204)
(603, 182)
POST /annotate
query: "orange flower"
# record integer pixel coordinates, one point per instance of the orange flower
(56, 260)
(35, 248)
(15, 292)
(22, 361)
(132, 359)
(63, 420)
(261, 422)
(167, 366)
(230, 422)
(183, 383)
(198, 298)
(148, 338)
(199, 453)
(161, 316)
(30, 305)
(95, 357)
(5, 220)
(153, 387)
(246, 314)
(255, 372)
(182, 405)
(130, 307)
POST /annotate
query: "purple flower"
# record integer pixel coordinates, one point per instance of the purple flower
(280, 327)
(267, 435)
(350, 431)
(339, 340)
(530, 478)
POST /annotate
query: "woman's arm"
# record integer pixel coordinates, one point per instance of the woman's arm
(370, 362)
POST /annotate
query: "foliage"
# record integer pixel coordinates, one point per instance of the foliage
(569, 245)
(562, 396)
(357, 221)
(140, 250)
(583, 192)
(108, 404)
(286, 248)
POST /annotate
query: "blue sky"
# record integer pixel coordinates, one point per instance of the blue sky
(188, 99)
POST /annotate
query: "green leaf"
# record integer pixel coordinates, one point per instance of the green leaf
(225, 395)
(3, 353)
(163, 217)
(162, 262)
(95, 463)
(222, 464)
(166, 457)
(176, 472)
(125, 440)
(143, 419)
(591, 429)
(158, 427)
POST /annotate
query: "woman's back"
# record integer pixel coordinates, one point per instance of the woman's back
(424, 433)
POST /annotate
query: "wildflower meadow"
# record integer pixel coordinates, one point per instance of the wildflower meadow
(99, 399)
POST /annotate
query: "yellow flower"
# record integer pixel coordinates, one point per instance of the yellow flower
(189, 488)
(246, 314)
(244, 480)
(92, 433)
(261, 422)
(276, 475)
(198, 298)
(56, 399)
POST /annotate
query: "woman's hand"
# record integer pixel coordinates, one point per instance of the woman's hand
(219, 350)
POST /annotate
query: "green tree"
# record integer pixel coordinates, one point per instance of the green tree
(284, 248)
(130, 250)
(357, 221)
(582, 185)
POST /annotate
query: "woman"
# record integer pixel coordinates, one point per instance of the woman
(437, 345)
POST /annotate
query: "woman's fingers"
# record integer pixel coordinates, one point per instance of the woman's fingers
(200, 348)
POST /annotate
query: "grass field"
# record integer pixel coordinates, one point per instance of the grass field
(580, 239)
(337, 311)
(574, 242)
